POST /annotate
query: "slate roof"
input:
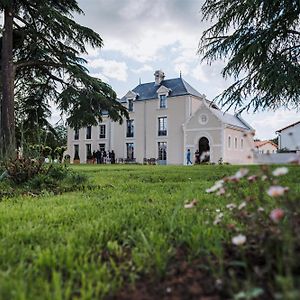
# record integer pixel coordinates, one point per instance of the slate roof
(234, 120)
(178, 87)
(291, 125)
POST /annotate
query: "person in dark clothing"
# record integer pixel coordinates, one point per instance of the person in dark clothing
(98, 156)
(112, 157)
(104, 157)
(197, 157)
(94, 156)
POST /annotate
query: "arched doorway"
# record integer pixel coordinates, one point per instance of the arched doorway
(204, 149)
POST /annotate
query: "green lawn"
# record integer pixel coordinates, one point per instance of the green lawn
(87, 245)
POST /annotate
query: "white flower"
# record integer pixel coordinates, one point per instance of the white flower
(231, 206)
(264, 177)
(215, 187)
(242, 205)
(260, 209)
(280, 171)
(239, 240)
(218, 218)
(192, 204)
(241, 173)
(218, 210)
(277, 190)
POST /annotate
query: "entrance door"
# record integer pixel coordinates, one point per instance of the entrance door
(204, 149)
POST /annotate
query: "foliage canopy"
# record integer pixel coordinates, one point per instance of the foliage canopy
(261, 42)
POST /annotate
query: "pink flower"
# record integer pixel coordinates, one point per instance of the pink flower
(276, 215)
(252, 178)
(277, 190)
(221, 192)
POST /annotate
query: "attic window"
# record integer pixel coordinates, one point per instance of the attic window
(162, 101)
(130, 104)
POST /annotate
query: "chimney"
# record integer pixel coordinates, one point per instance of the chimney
(159, 76)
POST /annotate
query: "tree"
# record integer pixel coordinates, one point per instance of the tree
(261, 40)
(41, 46)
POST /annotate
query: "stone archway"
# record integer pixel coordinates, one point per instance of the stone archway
(204, 149)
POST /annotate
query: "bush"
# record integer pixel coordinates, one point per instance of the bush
(263, 218)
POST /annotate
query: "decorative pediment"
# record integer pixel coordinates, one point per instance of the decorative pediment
(131, 95)
(163, 90)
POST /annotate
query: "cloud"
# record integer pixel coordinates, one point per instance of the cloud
(199, 74)
(144, 68)
(267, 123)
(109, 68)
(141, 29)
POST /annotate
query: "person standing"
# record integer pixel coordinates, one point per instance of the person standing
(197, 157)
(113, 157)
(188, 157)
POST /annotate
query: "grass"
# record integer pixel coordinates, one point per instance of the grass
(87, 245)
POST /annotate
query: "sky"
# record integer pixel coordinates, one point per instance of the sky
(141, 36)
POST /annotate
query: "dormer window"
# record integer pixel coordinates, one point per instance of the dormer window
(162, 101)
(130, 104)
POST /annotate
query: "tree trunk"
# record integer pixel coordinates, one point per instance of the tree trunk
(7, 125)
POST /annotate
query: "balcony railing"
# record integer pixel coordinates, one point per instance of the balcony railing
(129, 134)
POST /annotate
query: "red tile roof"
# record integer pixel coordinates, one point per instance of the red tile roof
(259, 144)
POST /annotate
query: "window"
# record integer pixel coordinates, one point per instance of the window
(162, 151)
(102, 131)
(76, 151)
(130, 151)
(162, 101)
(130, 104)
(89, 132)
(162, 126)
(235, 143)
(130, 128)
(102, 147)
(88, 151)
(76, 134)
(242, 143)
(229, 142)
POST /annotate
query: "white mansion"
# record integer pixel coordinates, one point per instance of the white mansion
(167, 117)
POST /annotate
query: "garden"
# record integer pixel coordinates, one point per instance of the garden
(151, 232)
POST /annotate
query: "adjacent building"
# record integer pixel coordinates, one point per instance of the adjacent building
(166, 118)
(265, 147)
(289, 137)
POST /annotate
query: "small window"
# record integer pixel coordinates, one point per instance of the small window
(102, 131)
(130, 128)
(130, 104)
(235, 143)
(130, 151)
(229, 142)
(162, 151)
(89, 132)
(162, 101)
(76, 134)
(162, 126)
(242, 143)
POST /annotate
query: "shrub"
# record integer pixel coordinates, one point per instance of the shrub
(263, 218)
